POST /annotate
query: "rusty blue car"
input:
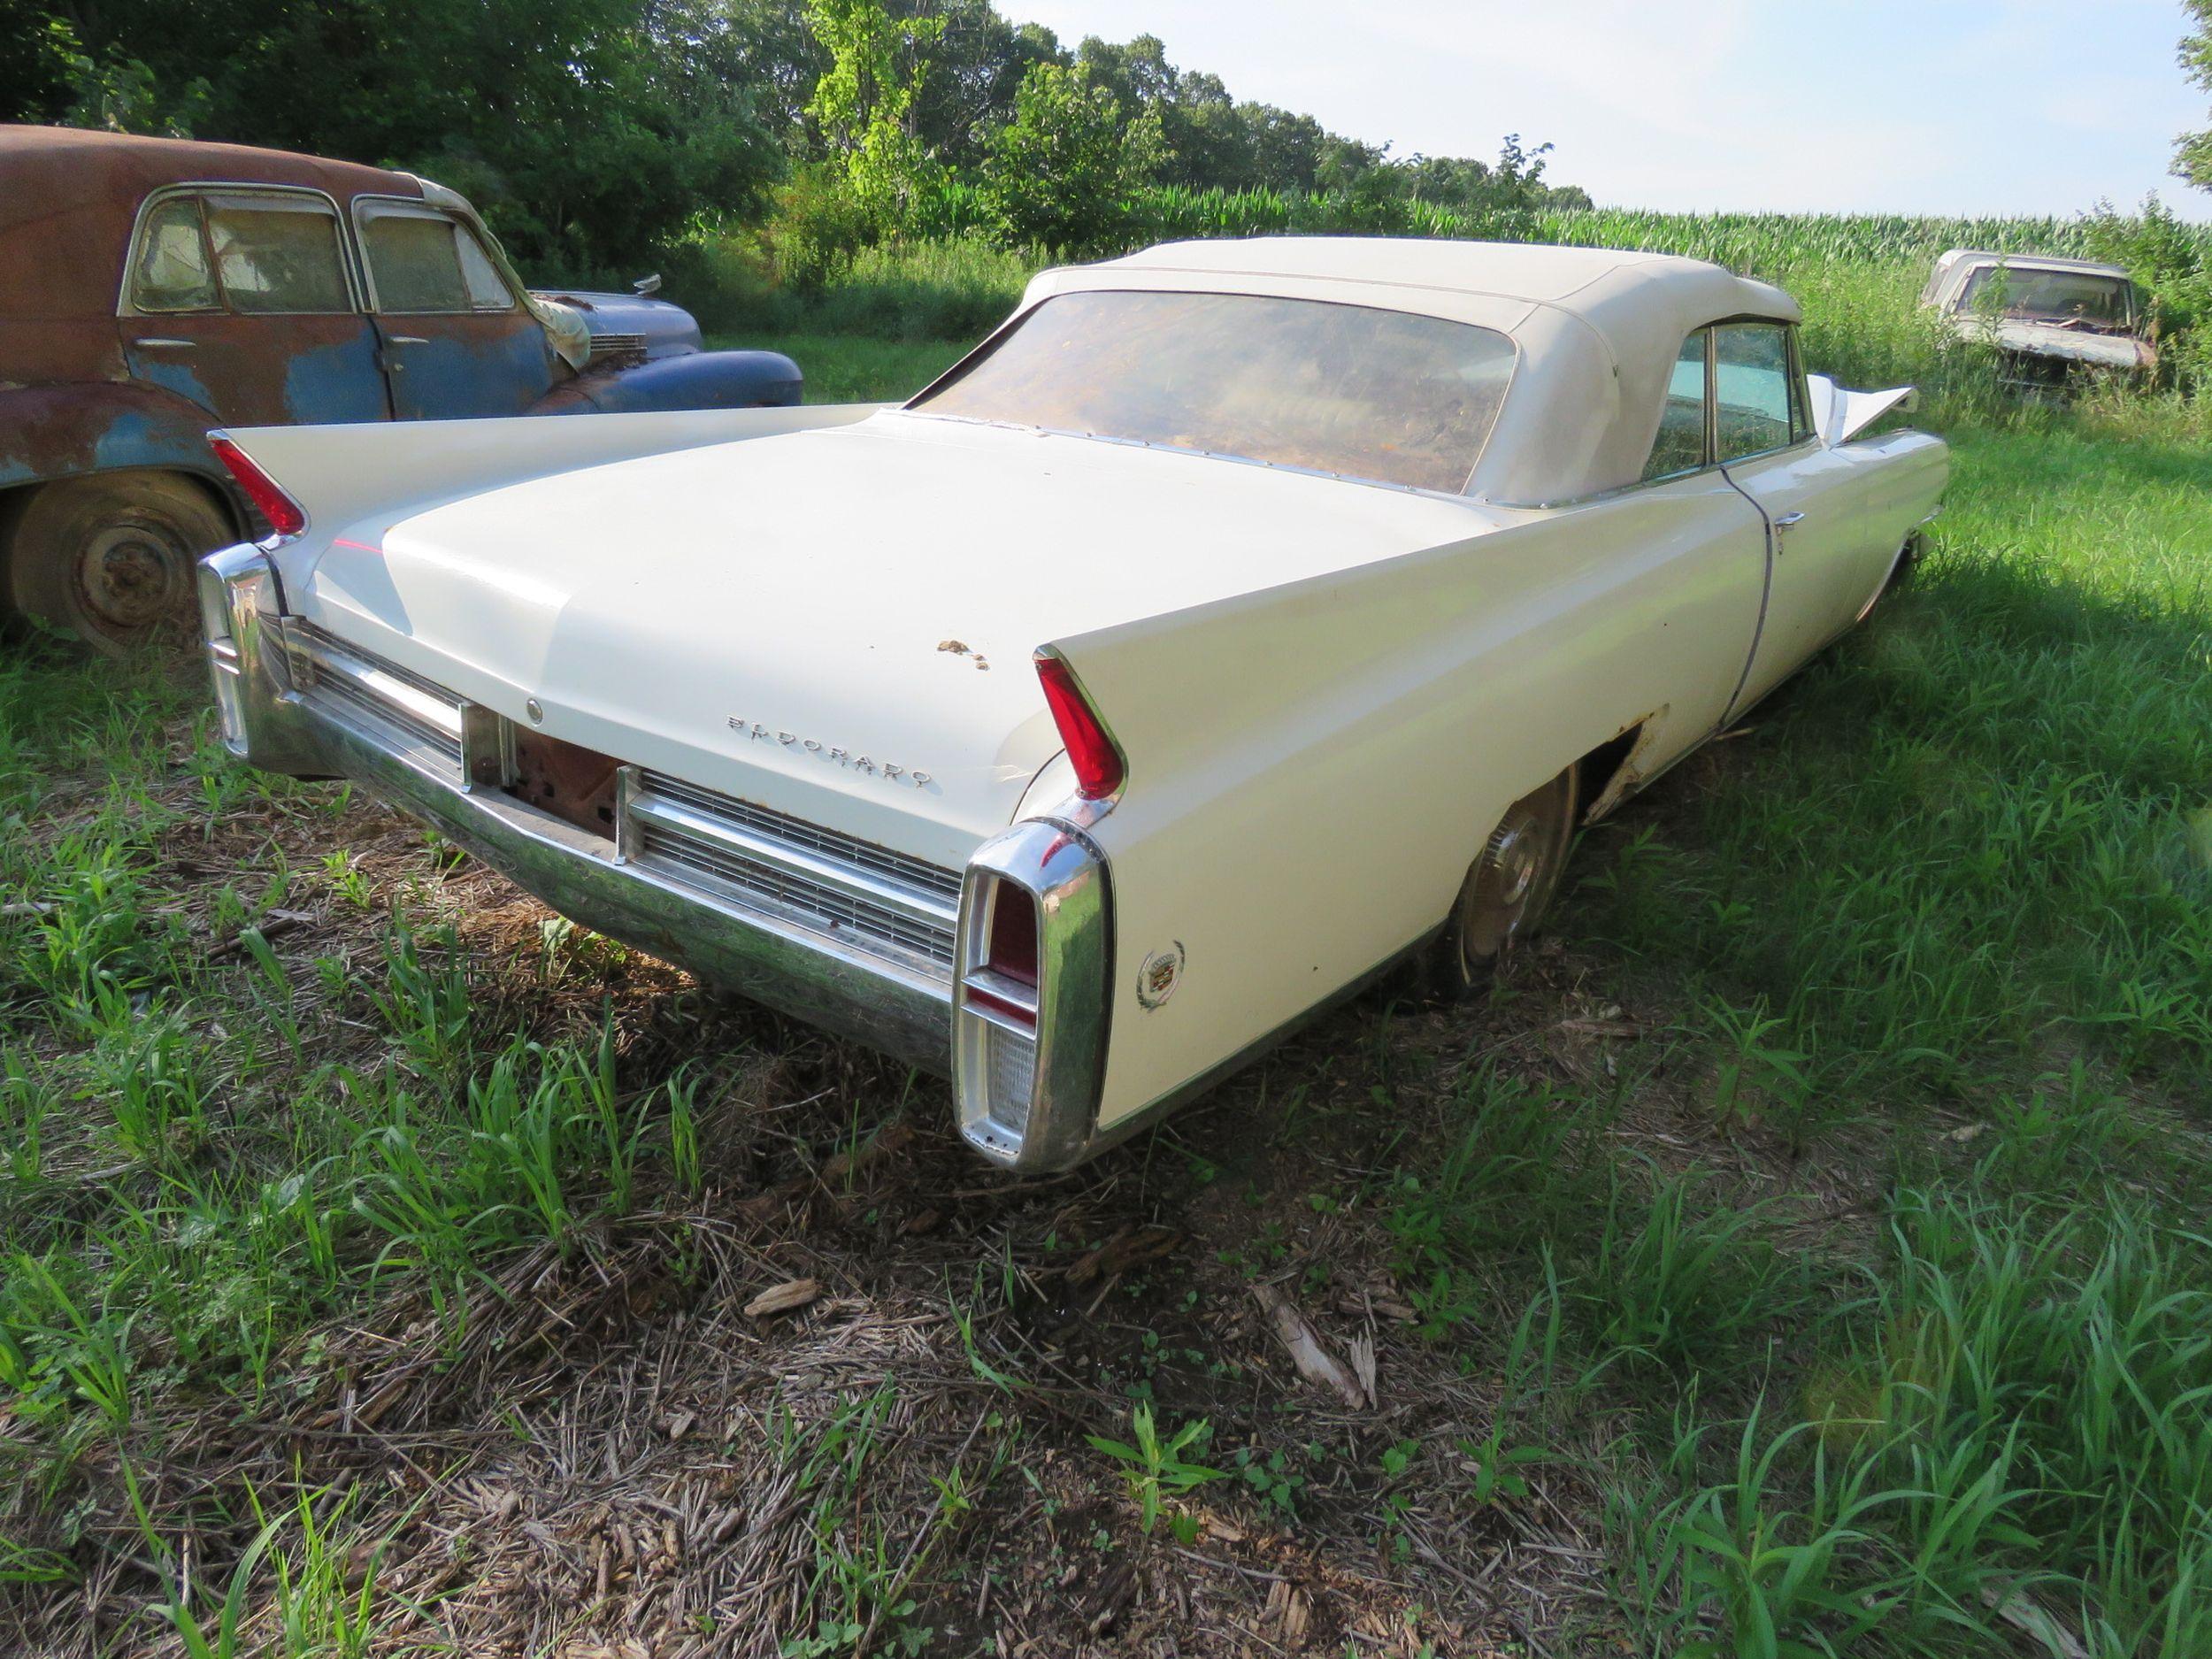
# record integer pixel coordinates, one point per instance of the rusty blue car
(152, 289)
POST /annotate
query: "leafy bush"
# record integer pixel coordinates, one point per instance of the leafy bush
(1060, 174)
(2172, 265)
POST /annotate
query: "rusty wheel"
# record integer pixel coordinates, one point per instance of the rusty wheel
(1508, 888)
(110, 558)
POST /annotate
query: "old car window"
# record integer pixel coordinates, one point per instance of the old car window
(172, 272)
(2083, 296)
(1377, 395)
(1680, 445)
(1751, 389)
(277, 255)
(487, 290)
(423, 263)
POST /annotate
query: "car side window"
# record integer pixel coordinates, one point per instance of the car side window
(172, 272)
(1680, 445)
(277, 254)
(423, 263)
(1753, 410)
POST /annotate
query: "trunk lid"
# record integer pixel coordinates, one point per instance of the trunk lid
(838, 624)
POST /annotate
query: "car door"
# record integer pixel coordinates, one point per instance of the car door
(1822, 567)
(457, 340)
(240, 299)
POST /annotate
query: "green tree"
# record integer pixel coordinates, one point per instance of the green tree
(863, 106)
(1060, 173)
(585, 130)
(116, 93)
(976, 67)
(2192, 157)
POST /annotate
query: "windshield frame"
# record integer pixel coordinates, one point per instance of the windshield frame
(991, 343)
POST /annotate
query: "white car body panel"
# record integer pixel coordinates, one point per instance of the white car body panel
(819, 613)
(1326, 691)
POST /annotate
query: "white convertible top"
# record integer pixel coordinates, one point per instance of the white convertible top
(1597, 329)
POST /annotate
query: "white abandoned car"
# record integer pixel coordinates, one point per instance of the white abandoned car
(1239, 619)
(2053, 320)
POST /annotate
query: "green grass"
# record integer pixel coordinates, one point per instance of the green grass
(1862, 1303)
(855, 368)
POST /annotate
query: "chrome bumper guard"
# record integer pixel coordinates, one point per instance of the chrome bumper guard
(833, 930)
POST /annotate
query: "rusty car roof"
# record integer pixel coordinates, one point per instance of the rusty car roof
(68, 197)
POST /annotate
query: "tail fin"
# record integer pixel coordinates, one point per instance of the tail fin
(361, 480)
(1840, 415)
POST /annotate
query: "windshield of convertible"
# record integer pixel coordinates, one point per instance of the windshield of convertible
(1386, 396)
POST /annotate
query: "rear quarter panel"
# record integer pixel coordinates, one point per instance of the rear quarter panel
(1313, 769)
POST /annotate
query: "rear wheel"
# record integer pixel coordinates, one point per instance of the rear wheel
(1508, 889)
(110, 557)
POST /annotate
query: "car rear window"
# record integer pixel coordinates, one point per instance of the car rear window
(172, 272)
(1389, 396)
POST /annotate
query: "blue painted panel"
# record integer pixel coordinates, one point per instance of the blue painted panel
(455, 368)
(700, 379)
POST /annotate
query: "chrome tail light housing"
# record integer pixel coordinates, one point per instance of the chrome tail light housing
(1033, 949)
(231, 585)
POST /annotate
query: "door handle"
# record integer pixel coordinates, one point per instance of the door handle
(1789, 521)
(164, 343)
(417, 340)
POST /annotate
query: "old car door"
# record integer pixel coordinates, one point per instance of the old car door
(1822, 568)
(240, 299)
(457, 340)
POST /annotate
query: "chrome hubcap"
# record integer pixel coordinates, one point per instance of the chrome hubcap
(1513, 878)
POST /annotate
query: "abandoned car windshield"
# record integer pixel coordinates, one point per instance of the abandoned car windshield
(1377, 394)
(2056, 295)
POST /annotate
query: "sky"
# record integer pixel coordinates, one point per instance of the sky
(1942, 106)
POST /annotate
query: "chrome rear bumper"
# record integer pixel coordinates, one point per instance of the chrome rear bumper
(856, 938)
(853, 939)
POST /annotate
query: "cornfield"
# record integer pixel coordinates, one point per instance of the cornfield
(1754, 244)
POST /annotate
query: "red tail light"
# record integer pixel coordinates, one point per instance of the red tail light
(1014, 934)
(1099, 766)
(1004, 982)
(284, 514)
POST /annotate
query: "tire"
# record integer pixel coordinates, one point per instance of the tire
(110, 557)
(1508, 889)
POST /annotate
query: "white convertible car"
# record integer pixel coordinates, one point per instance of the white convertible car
(1238, 621)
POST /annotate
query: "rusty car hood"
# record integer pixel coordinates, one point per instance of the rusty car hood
(2035, 339)
(838, 623)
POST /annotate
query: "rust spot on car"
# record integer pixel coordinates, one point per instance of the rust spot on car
(1621, 760)
(573, 783)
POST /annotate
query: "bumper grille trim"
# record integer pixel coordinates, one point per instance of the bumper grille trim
(867, 898)
(361, 685)
(866, 895)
